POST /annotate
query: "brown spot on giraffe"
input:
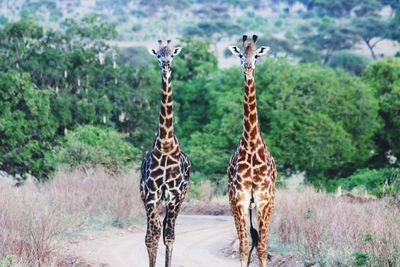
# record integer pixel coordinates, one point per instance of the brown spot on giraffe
(258, 180)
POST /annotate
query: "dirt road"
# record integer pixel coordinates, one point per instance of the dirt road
(199, 243)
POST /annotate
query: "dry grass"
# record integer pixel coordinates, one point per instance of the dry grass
(338, 231)
(33, 217)
(321, 228)
(325, 229)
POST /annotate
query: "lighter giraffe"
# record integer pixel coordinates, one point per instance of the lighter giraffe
(165, 169)
(252, 170)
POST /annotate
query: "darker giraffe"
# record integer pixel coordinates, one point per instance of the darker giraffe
(251, 171)
(165, 169)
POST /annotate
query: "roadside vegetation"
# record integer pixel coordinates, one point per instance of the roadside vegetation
(35, 217)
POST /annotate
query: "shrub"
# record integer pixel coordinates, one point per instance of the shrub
(89, 146)
(316, 120)
(27, 126)
(384, 77)
(377, 182)
(352, 63)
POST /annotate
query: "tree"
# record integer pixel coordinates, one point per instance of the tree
(335, 8)
(371, 30)
(192, 70)
(352, 63)
(316, 120)
(328, 38)
(18, 41)
(384, 77)
(394, 26)
(27, 127)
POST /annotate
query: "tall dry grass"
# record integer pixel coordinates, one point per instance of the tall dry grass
(34, 216)
(338, 231)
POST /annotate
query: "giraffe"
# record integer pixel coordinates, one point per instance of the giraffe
(252, 170)
(165, 169)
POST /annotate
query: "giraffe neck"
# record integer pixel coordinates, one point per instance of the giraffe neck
(166, 127)
(251, 132)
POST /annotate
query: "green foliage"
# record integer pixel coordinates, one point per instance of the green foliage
(191, 69)
(394, 26)
(371, 29)
(314, 119)
(299, 115)
(328, 37)
(360, 259)
(92, 27)
(352, 63)
(8, 261)
(3, 20)
(27, 127)
(210, 28)
(305, 129)
(376, 181)
(212, 146)
(89, 146)
(384, 77)
(87, 89)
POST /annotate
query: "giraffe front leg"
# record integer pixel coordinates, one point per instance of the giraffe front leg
(153, 233)
(240, 209)
(169, 229)
(264, 214)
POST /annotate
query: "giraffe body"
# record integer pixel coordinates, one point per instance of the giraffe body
(252, 170)
(165, 170)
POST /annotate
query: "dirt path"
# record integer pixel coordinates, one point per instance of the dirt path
(199, 243)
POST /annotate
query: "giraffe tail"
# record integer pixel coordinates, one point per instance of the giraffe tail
(253, 232)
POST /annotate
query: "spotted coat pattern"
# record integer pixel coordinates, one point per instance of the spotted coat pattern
(165, 175)
(251, 175)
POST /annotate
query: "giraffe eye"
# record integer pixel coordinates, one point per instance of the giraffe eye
(256, 56)
(158, 56)
(240, 56)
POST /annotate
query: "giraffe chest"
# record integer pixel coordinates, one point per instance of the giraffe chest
(165, 172)
(164, 167)
(253, 168)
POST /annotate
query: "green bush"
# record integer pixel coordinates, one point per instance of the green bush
(384, 77)
(89, 146)
(316, 120)
(27, 126)
(352, 63)
(360, 259)
(377, 182)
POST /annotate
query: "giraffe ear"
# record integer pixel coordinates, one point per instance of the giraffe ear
(152, 52)
(262, 51)
(234, 50)
(177, 50)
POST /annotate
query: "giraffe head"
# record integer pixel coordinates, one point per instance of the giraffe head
(249, 54)
(165, 54)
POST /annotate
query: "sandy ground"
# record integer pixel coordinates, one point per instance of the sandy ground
(200, 242)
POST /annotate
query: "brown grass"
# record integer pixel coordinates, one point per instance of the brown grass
(320, 228)
(338, 230)
(325, 229)
(33, 217)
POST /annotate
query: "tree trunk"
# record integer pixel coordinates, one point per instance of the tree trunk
(371, 49)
